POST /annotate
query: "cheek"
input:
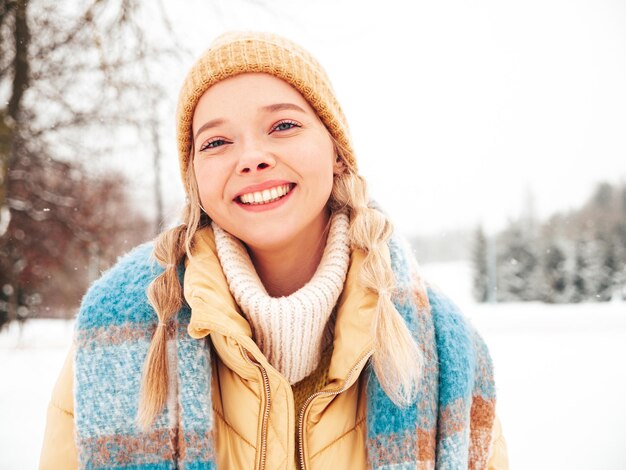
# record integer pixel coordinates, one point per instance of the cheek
(320, 166)
(208, 181)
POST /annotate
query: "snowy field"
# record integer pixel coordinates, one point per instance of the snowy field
(560, 374)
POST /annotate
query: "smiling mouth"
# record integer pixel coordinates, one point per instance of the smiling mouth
(266, 196)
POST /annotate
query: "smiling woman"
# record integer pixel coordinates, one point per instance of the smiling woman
(293, 282)
(268, 139)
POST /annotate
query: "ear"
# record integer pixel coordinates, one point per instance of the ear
(338, 166)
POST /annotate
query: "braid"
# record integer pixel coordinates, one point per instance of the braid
(397, 360)
(165, 294)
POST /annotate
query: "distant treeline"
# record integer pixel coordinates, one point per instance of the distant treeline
(572, 257)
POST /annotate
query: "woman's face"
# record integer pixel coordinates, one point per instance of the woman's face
(263, 161)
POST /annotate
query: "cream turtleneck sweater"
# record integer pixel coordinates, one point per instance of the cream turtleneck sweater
(291, 331)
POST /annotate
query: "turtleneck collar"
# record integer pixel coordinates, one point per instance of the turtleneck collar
(291, 331)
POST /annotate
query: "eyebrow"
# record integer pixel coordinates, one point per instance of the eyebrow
(208, 125)
(282, 106)
(270, 108)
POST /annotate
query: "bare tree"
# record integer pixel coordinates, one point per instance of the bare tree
(71, 92)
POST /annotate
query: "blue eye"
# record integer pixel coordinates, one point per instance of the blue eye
(285, 125)
(211, 144)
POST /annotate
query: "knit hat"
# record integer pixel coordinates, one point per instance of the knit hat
(239, 52)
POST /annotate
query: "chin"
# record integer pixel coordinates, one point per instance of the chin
(266, 240)
(274, 233)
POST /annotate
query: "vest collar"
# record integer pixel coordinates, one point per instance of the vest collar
(214, 311)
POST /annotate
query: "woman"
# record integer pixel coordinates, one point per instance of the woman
(283, 326)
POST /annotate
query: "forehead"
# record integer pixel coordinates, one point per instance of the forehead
(247, 91)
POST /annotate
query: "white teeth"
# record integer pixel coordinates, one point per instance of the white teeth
(265, 196)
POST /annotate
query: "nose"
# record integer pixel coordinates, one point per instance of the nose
(254, 158)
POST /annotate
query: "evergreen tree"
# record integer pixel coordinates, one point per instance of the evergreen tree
(555, 274)
(610, 264)
(519, 273)
(574, 257)
(479, 263)
(590, 272)
(579, 282)
(619, 237)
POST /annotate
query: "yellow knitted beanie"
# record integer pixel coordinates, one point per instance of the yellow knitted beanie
(239, 52)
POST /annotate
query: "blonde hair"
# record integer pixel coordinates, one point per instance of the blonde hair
(397, 360)
(165, 294)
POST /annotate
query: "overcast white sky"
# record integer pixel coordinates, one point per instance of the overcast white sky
(458, 108)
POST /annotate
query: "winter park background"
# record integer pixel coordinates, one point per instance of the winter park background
(559, 371)
(491, 132)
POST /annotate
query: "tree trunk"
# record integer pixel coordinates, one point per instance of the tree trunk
(9, 128)
(21, 67)
(9, 120)
(158, 194)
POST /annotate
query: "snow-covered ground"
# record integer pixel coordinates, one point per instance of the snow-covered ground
(560, 374)
(29, 365)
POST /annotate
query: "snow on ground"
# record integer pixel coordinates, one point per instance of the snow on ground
(560, 376)
(29, 365)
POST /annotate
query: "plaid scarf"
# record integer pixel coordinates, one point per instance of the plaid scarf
(448, 427)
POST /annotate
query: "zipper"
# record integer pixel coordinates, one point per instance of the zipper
(308, 401)
(266, 413)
